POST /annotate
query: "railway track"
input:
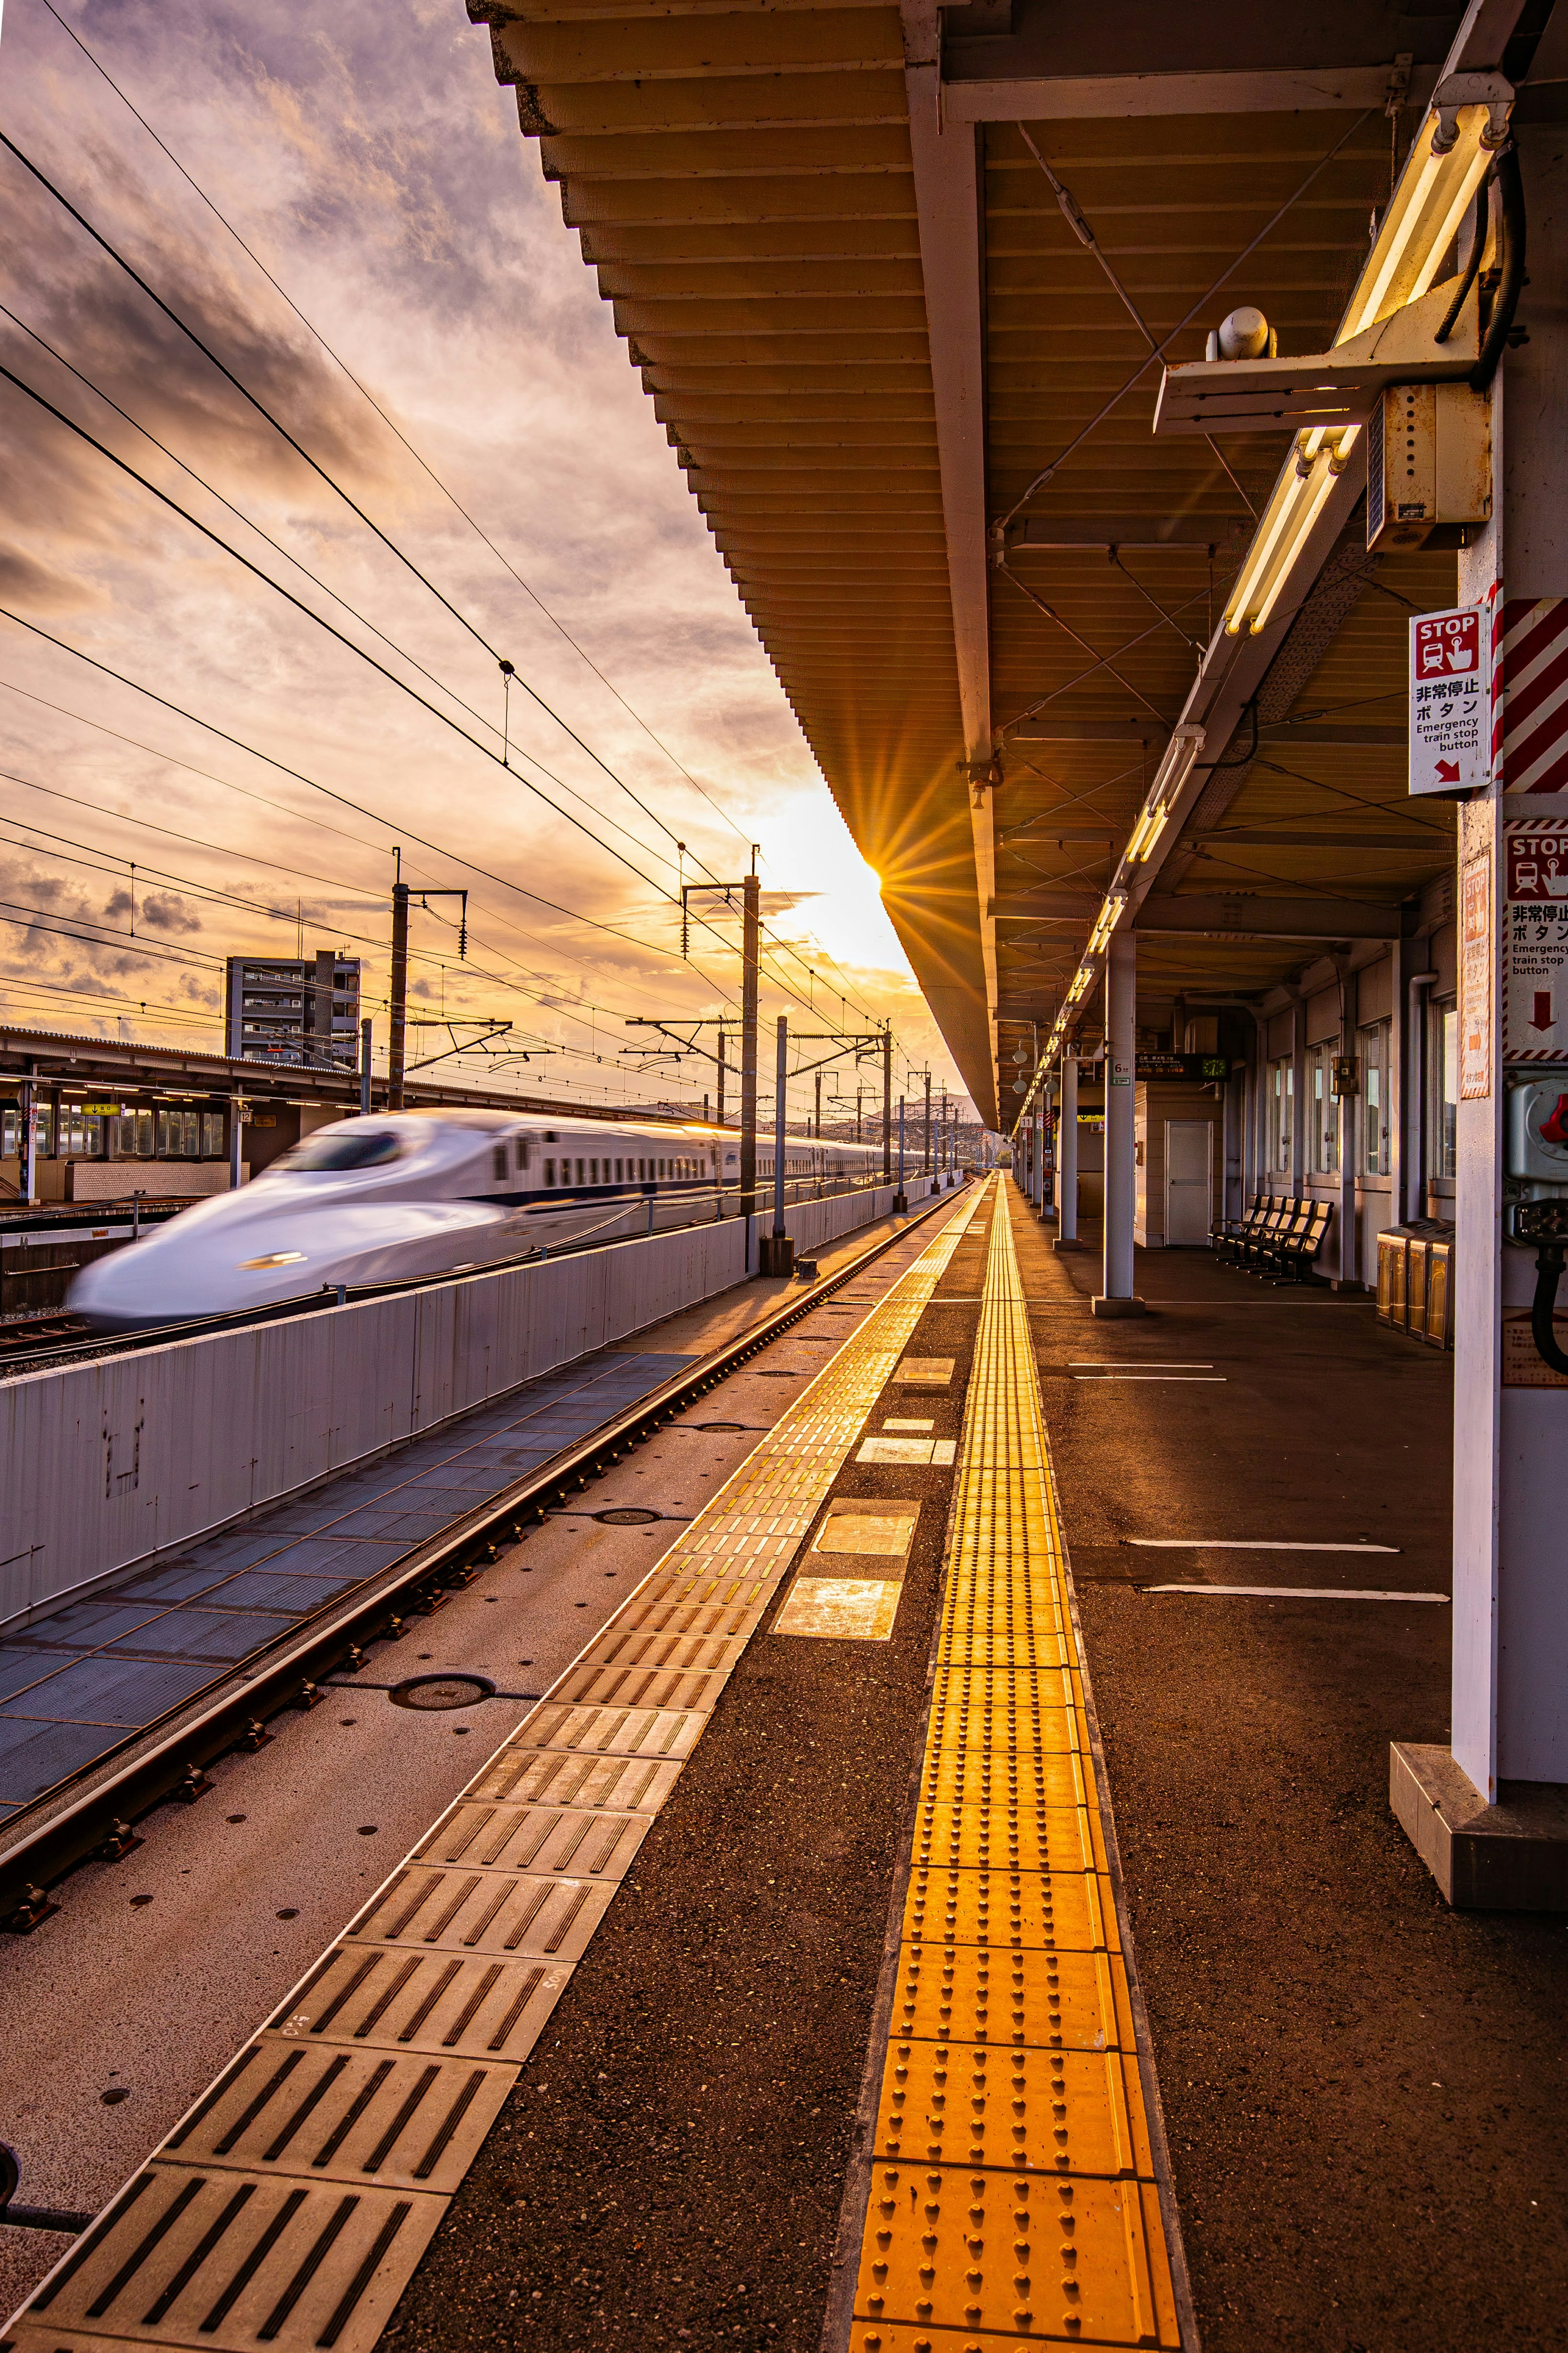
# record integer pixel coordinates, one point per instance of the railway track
(95, 1813)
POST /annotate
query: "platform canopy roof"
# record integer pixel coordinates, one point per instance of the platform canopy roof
(901, 282)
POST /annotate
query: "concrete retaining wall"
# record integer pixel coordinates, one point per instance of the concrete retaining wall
(106, 1465)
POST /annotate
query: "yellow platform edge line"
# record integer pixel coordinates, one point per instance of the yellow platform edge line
(1012, 2198)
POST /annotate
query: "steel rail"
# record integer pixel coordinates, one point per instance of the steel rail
(168, 1758)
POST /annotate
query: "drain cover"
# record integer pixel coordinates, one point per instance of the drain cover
(626, 1515)
(441, 1690)
(721, 1424)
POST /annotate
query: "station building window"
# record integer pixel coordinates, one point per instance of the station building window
(1281, 1115)
(1376, 1122)
(1323, 1112)
(1441, 1086)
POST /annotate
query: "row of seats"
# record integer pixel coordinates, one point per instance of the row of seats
(1278, 1238)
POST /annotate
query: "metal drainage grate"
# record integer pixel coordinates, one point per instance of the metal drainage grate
(441, 1690)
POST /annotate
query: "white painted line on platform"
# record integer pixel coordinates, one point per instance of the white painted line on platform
(1133, 1363)
(1246, 1543)
(1295, 1592)
(1213, 1379)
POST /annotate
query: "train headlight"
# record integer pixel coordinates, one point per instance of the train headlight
(273, 1257)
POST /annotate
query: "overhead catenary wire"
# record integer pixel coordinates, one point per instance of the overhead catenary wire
(418, 458)
(106, 246)
(175, 319)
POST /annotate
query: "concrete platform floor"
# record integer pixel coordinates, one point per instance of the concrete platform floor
(1364, 2091)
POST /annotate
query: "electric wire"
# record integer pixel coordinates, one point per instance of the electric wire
(783, 946)
(263, 411)
(422, 462)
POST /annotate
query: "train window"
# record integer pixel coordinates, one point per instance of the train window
(580, 1176)
(522, 1153)
(498, 1162)
(661, 1167)
(550, 1172)
(365, 1148)
(593, 1171)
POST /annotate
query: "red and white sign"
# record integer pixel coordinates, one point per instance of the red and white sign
(1532, 691)
(1448, 704)
(1536, 940)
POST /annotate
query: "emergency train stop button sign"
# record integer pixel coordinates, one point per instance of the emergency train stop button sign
(1447, 703)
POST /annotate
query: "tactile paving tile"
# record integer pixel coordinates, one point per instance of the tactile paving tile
(488, 1911)
(967, 1993)
(981, 1833)
(555, 1776)
(386, 1999)
(612, 1731)
(511, 1838)
(1040, 1909)
(1041, 2111)
(195, 2255)
(404, 2120)
(1006, 2263)
(1056, 1774)
(1013, 2195)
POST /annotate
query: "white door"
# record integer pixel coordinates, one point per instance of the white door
(1189, 1154)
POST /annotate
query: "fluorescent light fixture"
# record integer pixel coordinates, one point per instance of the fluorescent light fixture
(1186, 741)
(1435, 188)
(1447, 161)
(1299, 497)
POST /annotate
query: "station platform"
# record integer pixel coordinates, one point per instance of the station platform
(936, 1909)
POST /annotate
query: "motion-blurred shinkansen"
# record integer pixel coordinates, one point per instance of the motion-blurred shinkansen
(400, 1194)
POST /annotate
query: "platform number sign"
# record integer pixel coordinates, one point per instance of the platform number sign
(1448, 734)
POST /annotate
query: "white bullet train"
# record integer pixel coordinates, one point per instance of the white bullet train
(394, 1195)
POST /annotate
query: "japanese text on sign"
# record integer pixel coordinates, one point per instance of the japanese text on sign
(1447, 703)
(1535, 942)
(1476, 978)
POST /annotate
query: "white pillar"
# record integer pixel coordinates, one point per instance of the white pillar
(1509, 1723)
(1066, 1159)
(1116, 1296)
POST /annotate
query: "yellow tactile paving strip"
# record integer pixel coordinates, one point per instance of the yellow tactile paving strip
(290, 2206)
(1012, 2198)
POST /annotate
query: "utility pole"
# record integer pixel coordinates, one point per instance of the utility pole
(886, 1101)
(900, 1198)
(750, 933)
(816, 1128)
(721, 1061)
(396, 1052)
(778, 1252)
(364, 1031)
(928, 1168)
(397, 1049)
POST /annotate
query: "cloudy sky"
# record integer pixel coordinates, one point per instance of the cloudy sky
(193, 765)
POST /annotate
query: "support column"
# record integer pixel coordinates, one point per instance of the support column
(1490, 1816)
(27, 1138)
(1066, 1159)
(1299, 1096)
(236, 1143)
(1116, 1296)
(1349, 1261)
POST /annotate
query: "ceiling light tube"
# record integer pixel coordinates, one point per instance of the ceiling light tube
(1186, 741)
(1299, 499)
(1434, 191)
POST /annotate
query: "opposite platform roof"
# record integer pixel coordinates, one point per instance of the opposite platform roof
(915, 412)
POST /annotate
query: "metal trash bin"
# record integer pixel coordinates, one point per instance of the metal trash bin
(1437, 1324)
(1394, 1275)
